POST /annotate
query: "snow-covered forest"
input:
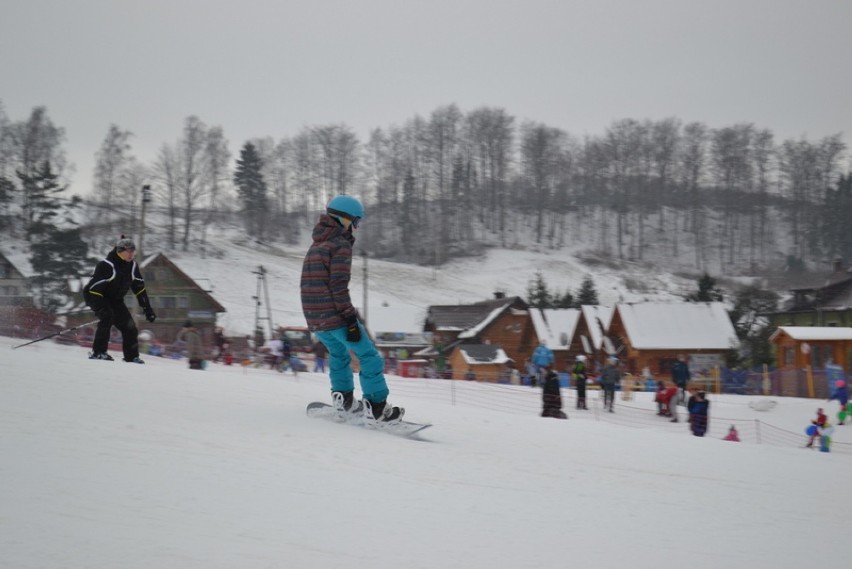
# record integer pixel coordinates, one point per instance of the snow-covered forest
(726, 200)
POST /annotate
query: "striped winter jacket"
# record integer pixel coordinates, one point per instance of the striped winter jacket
(112, 278)
(325, 277)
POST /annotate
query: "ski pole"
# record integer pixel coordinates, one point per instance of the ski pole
(57, 334)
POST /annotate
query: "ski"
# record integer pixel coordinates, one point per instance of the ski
(406, 429)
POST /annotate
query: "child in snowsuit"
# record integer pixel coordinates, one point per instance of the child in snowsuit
(699, 409)
(819, 423)
(732, 435)
(551, 395)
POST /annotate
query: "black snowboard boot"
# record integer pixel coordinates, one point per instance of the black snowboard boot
(100, 356)
(382, 412)
(345, 402)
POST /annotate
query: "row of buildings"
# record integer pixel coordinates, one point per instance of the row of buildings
(814, 328)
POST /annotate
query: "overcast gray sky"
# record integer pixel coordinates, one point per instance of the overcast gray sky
(269, 67)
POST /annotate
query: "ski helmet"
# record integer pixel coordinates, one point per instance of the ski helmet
(346, 206)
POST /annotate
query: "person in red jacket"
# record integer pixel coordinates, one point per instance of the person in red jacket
(668, 399)
(820, 422)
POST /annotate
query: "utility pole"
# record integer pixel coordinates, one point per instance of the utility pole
(146, 197)
(261, 282)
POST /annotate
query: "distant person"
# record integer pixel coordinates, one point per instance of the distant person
(732, 435)
(191, 338)
(319, 357)
(819, 424)
(841, 394)
(699, 414)
(219, 343)
(681, 377)
(551, 395)
(329, 312)
(578, 375)
(542, 359)
(610, 378)
(104, 294)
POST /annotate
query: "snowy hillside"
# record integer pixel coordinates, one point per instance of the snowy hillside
(399, 294)
(107, 464)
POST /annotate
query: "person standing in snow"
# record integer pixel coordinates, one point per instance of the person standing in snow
(578, 375)
(319, 357)
(194, 346)
(680, 377)
(820, 422)
(542, 359)
(699, 411)
(551, 395)
(330, 314)
(841, 394)
(610, 378)
(104, 294)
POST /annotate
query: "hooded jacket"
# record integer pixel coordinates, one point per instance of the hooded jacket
(325, 277)
(112, 278)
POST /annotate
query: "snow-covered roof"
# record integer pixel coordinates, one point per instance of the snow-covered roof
(685, 325)
(472, 332)
(598, 318)
(483, 354)
(811, 333)
(555, 326)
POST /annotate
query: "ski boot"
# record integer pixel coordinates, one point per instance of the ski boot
(100, 356)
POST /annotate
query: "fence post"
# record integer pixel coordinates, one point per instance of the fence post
(765, 379)
(453, 391)
(810, 376)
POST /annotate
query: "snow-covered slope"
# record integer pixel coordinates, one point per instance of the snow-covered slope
(398, 294)
(107, 464)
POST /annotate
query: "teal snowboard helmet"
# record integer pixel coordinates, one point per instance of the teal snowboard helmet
(346, 206)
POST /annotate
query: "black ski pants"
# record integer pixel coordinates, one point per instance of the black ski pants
(115, 313)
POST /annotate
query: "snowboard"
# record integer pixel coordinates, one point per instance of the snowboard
(406, 429)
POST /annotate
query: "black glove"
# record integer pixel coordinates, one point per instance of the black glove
(353, 332)
(149, 314)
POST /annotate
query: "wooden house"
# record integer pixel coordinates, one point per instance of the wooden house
(565, 331)
(503, 322)
(19, 316)
(827, 301)
(814, 346)
(487, 362)
(653, 335)
(176, 298)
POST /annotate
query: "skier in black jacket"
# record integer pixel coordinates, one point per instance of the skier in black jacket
(104, 294)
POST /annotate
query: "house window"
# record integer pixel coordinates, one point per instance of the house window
(183, 302)
(5, 271)
(789, 356)
(167, 301)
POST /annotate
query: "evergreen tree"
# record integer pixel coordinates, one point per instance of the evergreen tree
(248, 178)
(835, 235)
(563, 301)
(537, 294)
(707, 290)
(587, 295)
(42, 188)
(61, 256)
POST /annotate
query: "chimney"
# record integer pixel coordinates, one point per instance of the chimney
(499, 295)
(838, 265)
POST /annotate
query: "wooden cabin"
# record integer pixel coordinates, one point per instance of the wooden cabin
(652, 335)
(486, 361)
(814, 346)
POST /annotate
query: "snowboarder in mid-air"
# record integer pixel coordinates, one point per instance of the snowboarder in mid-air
(335, 321)
(104, 294)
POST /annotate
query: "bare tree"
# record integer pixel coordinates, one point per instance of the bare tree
(111, 161)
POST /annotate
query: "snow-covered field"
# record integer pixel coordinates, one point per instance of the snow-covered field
(114, 465)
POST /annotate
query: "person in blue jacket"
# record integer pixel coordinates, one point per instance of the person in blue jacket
(841, 394)
(542, 358)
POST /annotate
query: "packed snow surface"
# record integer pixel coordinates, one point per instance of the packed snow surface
(110, 465)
